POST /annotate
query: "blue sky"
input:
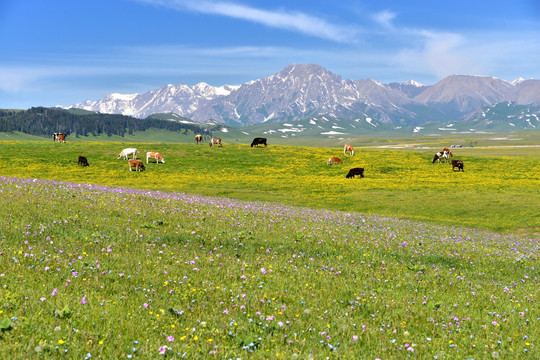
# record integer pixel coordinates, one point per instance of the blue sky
(62, 52)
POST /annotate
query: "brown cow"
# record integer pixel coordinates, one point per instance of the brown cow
(215, 141)
(348, 148)
(156, 156)
(137, 164)
(198, 139)
(61, 137)
(457, 164)
(355, 171)
(334, 160)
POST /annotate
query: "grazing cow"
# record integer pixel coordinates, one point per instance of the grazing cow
(60, 137)
(258, 141)
(442, 155)
(137, 164)
(82, 161)
(355, 171)
(155, 155)
(215, 141)
(437, 157)
(334, 160)
(198, 139)
(126, 152)
(457, 164)
(348, 148)
(448, 154)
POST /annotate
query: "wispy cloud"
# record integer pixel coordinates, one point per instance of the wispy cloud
(288, 20)
(385, 18)
(505, 55)
(14, 79)
(440, 53)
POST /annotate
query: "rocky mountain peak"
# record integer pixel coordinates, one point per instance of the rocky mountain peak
(303, 90)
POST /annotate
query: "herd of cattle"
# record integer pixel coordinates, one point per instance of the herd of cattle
(445, 155)
(138, 165)
(441, 155)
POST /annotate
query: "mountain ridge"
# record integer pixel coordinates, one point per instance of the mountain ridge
(300, 91)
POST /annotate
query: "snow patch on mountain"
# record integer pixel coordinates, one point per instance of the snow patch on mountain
(332, 133)
(370, 122)
(413, 83)
(123, 97)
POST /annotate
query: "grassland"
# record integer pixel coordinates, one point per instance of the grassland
(498, 191)
(100, 262)
(104, 272)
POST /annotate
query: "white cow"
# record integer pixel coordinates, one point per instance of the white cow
(126, 152)
(215, 141)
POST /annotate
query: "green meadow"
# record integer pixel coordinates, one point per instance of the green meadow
(263, 253)
(499, 189)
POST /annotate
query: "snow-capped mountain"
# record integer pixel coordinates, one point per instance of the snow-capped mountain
(302, 91)
(180, 99)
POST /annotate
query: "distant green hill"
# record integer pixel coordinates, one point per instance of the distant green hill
(41, 121)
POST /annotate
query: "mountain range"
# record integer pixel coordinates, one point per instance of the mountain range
(301, 92)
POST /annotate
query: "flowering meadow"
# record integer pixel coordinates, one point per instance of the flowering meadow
(499, 190)
(92, 271)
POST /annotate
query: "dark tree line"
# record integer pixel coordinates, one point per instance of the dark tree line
(41, 121)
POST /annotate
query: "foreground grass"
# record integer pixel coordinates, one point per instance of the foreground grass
(98, 272)
(498, 191)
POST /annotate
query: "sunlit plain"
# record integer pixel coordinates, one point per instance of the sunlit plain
(118, 269)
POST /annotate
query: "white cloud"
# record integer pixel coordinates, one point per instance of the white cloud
(293, 21)
(385, 18)
(440, 53)
(14, 80)
(493, 53)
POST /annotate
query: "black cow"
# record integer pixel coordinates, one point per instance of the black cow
(355, 171)
(258, 141)
(82, 161)
(457, 164)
